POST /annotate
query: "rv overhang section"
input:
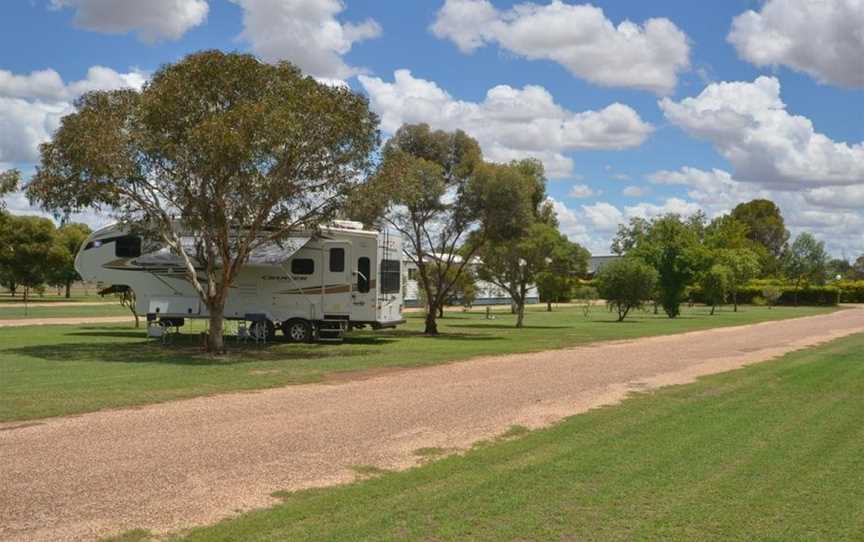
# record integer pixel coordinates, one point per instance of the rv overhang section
(270, 254)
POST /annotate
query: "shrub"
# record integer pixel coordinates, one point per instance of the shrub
(625, 284)
(771, 295)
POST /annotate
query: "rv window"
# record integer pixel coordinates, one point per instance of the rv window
(390, 275)
(302, 266)
(337, 260)
(127, 247)
(364, 269)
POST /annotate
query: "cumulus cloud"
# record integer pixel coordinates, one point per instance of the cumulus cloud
(306, 33)
(582, 191)
(152, 20)
(581, 38)
(749, 125)
(634, 191)
(509, 123)
(31, 105)
(823, 39)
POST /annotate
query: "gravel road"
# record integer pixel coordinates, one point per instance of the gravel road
(171, 466)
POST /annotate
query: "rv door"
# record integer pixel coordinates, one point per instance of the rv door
(337, 278)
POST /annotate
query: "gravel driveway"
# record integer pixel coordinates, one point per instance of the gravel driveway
(170, 466)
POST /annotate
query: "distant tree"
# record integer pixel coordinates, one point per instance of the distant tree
(518, 261)
(856, 272)
(588, 295)
(69, 239)
(28, 251)
(772, 295)
(805, 261)
(742, 265)
(565, 264)
(435, 190)
(838, 267)
(765, 226)
(625, 284)
(630, 235)
(242, 152)
(9, 181)
(673, 248)
(715, 285)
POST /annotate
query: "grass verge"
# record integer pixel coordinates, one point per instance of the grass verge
(768, 452)
(59, 370)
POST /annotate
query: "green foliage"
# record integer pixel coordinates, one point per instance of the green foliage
(224, 142)
(69, 239)
(715, 284)
(856, 271)
(9, 181)
(742, 265)
(771, 295)
(805, 261)
(28, 251)
(673, 248)
(626, 284)
(765, 224)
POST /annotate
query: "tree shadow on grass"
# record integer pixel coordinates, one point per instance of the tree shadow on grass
(183, 354)
(506, 326)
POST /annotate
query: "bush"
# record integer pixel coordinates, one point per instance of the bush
(760, 301)
(772, 295)
(808, 295)
(625, 284)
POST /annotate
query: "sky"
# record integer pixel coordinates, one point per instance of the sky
(635, 108)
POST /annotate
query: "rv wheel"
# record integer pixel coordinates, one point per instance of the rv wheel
(270, 329)
(297, 331)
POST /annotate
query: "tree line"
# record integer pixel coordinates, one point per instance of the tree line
(664, 257)
(34, 254)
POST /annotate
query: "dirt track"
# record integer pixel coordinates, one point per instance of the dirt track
(170, 466)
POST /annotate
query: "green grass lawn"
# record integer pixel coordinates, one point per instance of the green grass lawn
(17, 311)
(768, 452)
(58, 370)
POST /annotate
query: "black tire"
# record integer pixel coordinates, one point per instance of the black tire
(297, 330)
(271, 328)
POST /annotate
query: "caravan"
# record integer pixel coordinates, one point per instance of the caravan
(310, 285)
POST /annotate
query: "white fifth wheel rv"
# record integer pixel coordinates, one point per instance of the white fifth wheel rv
(309, 286)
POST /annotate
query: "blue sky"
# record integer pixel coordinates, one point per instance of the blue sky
(690, 125)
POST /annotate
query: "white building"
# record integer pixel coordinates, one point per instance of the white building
(487, 293)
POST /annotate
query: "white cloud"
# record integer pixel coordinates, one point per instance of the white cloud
(633, 191)
(582, 191)
(31, 105)
(749, 125)
(603, 216)
(152, 20)
(621, 177)
(579, 37)
(510, 122)
(304, 32)
(821, 38)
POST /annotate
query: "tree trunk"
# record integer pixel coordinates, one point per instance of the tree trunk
(520, 315)
(215, 340)
(431, 325)
(441, 311)
(548, 306)
(712, 309)
(735, 301)
(68, 289)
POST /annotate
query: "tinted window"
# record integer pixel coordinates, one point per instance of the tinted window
(127, 247)
(302, 266)
(337, 260)
(364, 269)
(390, 275)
